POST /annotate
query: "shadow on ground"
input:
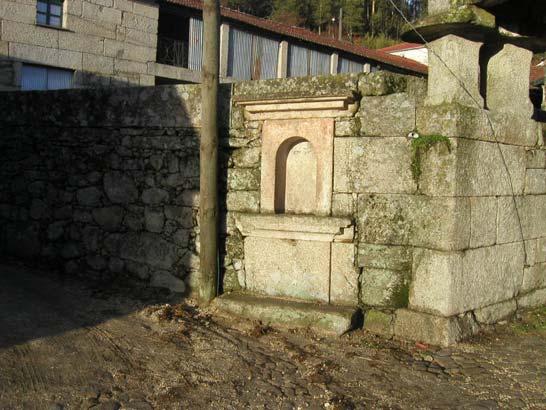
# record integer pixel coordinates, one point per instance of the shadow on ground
(34, 305)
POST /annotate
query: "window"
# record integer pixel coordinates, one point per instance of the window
(303, 62)
(251, 57)
(49, 12)
(45, 78)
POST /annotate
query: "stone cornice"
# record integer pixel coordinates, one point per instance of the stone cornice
(294, 108)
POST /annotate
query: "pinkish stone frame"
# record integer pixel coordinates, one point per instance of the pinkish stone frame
(278, 137)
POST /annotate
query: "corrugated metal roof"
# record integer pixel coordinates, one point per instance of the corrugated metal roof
(309, 36)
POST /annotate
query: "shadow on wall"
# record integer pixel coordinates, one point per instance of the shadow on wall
(104, 184)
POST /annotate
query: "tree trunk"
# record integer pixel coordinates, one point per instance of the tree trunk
(208, 168)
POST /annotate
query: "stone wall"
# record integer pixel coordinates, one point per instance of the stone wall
(439, 248)
(105, 42)
(103, 182)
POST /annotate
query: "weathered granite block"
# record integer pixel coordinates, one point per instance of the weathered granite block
(508, 74)
(397, 258)
(473, 168)
(534, 277)
(384, 288)
(431, 222)
(483, 219)
(456, 120)
(436, 330)
(344, 275)
(373, 165)
(492, 314)
(535, 181)
(302, 273)
(536, 158)
(450, 283)
(387, 116)
(378, 322)
(453, 60)
(532, 299)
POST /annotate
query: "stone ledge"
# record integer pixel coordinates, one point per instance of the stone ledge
(295, 108)
(284, 312)
(299, 227)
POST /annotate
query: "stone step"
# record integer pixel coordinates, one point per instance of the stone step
(290, 313)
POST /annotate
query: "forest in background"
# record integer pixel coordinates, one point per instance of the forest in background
(372, 23)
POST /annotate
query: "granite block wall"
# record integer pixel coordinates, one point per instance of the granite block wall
(106, 42)
(105, 183)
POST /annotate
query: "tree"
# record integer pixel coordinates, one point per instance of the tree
(260, 8)
(208, 160)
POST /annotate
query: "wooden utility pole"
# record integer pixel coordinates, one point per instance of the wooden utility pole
(208, 161)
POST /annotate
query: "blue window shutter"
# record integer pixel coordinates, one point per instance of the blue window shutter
(59, 79)
(33, 78)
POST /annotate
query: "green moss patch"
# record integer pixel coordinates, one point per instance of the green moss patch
(420, 146)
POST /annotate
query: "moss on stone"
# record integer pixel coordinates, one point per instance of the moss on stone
(420, 147)
(467, 14)
(382, 83)
(342, 84)
(400, 295)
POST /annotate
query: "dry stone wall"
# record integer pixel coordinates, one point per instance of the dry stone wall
(103, 183)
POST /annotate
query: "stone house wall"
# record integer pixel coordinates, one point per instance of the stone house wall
(105, 42)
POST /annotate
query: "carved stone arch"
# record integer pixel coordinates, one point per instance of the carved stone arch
(296, 170)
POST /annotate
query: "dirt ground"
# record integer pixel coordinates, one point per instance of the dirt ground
(69, 345)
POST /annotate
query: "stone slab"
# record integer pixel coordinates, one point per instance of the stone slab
(302, 227)
(453, 60)
(387, 116)
(379, 322)
(533, 299)
(492, 314)
(483, 219)
(344, 275)
(384, 288)
(508, 74)
(385, 257)
(451, 283)
(435, 330)
(535, 181)
(274, 311)
(430, 222)
(534, 277)
(373, 165)
(455, 120)
(473, 168)
(298, 269)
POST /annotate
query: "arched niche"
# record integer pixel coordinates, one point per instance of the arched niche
(296, 177)
(297, 166)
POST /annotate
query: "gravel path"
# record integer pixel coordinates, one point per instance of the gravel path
(70, 345)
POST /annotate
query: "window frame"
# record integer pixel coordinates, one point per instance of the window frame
(48, 13)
